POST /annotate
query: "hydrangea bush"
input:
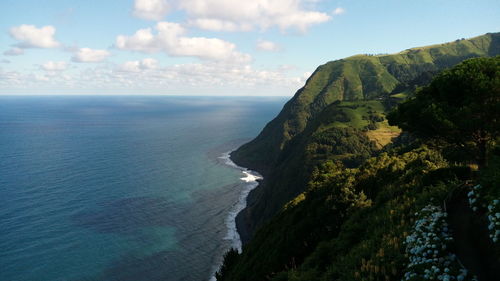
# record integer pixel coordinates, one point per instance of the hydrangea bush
(494, 220)
(473, 196)
(493, 213)
(427, 248)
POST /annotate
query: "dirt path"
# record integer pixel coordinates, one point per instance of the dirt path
(472, 243)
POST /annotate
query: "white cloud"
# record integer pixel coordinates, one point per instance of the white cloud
(269, 46)
(149, 63)
(338, 11)
(232, 15)
(195, 77)
(169, 39)
(306, 76)
(40, 77)
(29, 36)
(32, 82)
(14, 52)
(142, 41)
(10, 78)
(147, 77)
(136, 66)
(150, 9)
(130, 66)
(219, 25)
(54, 66)
(90, 55)
(29, 82)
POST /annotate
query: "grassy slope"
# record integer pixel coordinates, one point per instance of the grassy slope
(355, 78)
(349, 223)
(339, 133)
(281, 151)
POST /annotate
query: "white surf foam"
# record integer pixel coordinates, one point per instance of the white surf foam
(226, 156)
(251, 179)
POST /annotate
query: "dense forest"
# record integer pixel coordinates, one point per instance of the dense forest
(382, 167)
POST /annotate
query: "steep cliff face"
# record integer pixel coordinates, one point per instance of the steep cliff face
(355, 93)
(344, 201)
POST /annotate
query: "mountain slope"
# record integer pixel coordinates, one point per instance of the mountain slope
(356, 78)
(419, 209)
(280, 152)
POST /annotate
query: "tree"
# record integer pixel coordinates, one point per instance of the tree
(460, 106)
(230, 259)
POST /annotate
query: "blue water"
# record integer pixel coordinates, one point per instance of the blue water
(119, 188)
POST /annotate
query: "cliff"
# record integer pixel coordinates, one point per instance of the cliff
(349, 196)
(340, 114)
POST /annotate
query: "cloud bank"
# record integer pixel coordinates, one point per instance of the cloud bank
(227, 15)
(54, 66)
(29, 36)
(150, 9)
(170, 38)
(230, 15)
(90, 55)
(338, 11)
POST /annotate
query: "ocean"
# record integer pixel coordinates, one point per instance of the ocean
(122, 187)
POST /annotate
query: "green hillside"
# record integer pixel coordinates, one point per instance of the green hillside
(353, 95)
(357, 78)
(424, 207)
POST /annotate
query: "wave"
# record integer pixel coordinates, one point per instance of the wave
(251, 179)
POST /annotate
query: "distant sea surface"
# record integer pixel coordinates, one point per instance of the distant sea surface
(120, 187)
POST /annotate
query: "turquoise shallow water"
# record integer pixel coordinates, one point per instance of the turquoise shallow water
(120, 188)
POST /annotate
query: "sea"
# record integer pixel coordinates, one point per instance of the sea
(139, 188)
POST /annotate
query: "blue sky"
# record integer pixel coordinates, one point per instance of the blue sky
(211, 47)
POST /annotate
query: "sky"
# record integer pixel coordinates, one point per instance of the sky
(211, 47)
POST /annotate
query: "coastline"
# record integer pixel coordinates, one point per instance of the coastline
(251, 178)
(235, 232)
(243, 221)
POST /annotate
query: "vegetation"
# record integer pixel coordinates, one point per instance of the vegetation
(343, 207)
(356, 92)
(350, 224)
(460, 106)
(358, 78)
(428, 248)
